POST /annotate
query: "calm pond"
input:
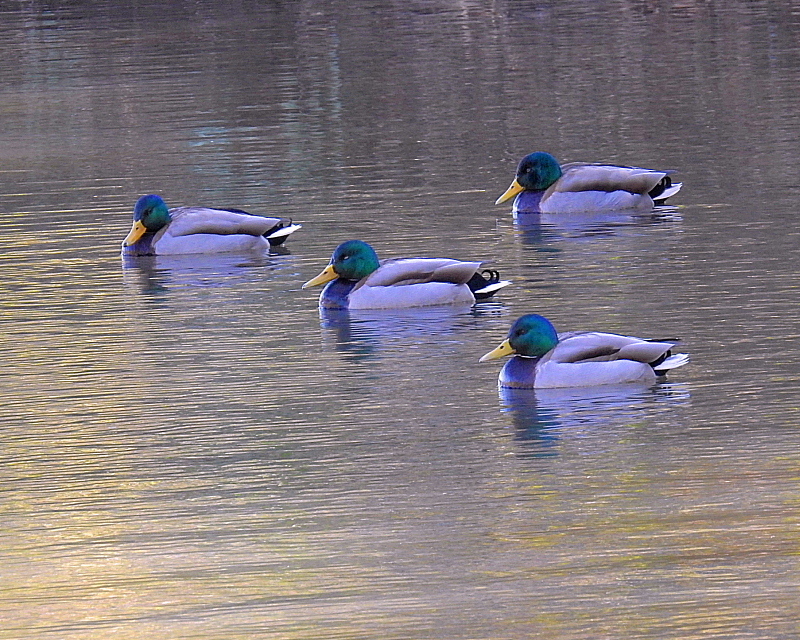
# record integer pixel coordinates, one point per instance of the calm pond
(191, 450)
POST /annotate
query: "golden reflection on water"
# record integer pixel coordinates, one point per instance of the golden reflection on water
(191, 449)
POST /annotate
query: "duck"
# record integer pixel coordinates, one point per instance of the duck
(545, 359)
(542, 185)
(158, 230)
(356, 279)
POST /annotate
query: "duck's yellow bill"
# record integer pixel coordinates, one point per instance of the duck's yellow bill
(505, 349)
(327, 275)
(136, 232)
(513, 190)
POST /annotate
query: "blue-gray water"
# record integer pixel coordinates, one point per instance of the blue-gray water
(191, 451)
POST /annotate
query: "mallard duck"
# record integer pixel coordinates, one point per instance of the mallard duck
(542, 185)
(356, 279)
(157, 230)
(546, 359)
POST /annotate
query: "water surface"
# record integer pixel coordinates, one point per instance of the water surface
(192, 450)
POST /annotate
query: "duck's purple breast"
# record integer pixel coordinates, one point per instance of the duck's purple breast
(528, 202)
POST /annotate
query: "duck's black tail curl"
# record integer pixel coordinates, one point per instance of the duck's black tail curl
(665, 188)
(669, 361)
(486, 283)
(663, 184)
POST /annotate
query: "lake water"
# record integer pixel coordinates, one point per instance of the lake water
(191, 451)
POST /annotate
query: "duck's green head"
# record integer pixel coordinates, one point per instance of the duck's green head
(535, 172)
(352, 260)
(149, 215)
(531, 335)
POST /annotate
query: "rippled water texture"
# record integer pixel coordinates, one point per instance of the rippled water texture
(190, 450)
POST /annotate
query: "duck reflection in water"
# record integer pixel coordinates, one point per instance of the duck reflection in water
(542, 417)
(540, 228)
(154, 276)
(361, 334)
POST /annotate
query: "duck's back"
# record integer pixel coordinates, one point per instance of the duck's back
(193, 220)
(418, 270)
(587, 187)
(205, 230)
(597, 346)
(582, 176)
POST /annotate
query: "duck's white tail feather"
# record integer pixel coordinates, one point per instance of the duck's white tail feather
(494, 286)
(284, 231)
(669, 191)
(673, 362)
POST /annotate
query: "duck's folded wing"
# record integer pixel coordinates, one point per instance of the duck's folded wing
(604, 347)
(579, 176)
(402, 271)
(190, 220)
(644, 351)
